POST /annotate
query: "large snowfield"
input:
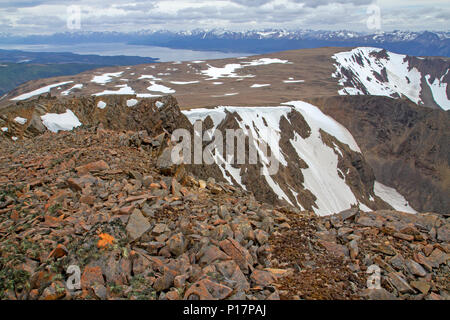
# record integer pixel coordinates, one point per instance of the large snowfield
(321, 178)
(402, 79)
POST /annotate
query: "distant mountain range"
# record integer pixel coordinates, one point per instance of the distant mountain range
(423, 43)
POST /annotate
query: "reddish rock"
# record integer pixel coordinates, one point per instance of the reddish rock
(230, 270)
(238, 253)
(262, 278)
(198, 291)
(173, 295)
(211, 254)
(399, 283)
(334, 248)
(164, 282)
(92, 276)
(207, 290)
(177, 244)
(421, 285)
(406, 237)
(58, 252)
(437, 257)
(54, 292)
(52, 222)
(87, 200)
(92, 167)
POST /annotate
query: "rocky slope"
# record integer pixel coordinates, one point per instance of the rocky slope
(318, 165)
(99, 199)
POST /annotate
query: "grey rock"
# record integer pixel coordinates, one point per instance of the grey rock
(164, 164)
(137, 225)
(415, 268)
(378, 294)
(36, 126)
(348, 214)
(164, 282)
(177, 244)
(399, 283)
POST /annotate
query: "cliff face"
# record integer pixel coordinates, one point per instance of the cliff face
(406, 146)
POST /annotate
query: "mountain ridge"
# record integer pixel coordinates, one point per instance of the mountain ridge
(423, 43)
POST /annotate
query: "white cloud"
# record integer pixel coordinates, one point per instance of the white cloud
(49, 16)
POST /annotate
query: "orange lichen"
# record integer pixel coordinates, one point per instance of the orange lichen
(105, 240)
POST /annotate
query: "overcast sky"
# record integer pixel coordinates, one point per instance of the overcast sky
(50, 16)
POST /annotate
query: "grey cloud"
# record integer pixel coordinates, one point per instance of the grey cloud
(232, 14)
(251, 3)
(317, 3)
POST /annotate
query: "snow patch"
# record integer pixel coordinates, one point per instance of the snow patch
(64, 121)
(362, 63)
(392, 197)
(39, 91)
(101, 105)
(229, 70)
(77, 86)
(106, 77)
(124, 89)
(159, 88)
(147, 95)
(20, 120)
(316, 119)
(293, 81)
(149, 76)
(183, 82)
(439, 91)
(132, 102)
